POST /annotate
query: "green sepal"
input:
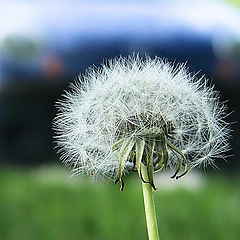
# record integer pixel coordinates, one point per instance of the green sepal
(141, 176)
(158, 149)
(164, 149)
(172, 147)
(122, 184)
(116, 145)
(179, 165)
(139, 148)
(175, 149)
(132, 156)
(149, 159)
(187, 168)
(125, 150)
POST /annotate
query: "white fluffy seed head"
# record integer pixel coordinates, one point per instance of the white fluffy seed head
(138, 92)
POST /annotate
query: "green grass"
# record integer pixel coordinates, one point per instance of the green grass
(46, 205)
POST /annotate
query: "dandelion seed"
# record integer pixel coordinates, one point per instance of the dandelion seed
(135, 111)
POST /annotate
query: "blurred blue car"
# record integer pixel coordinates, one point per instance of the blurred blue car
(45, 44)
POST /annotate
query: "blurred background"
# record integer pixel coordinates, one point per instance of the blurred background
(44, 46)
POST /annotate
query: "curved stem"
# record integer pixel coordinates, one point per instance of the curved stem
(150, 213)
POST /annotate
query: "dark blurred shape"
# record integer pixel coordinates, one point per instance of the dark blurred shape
(44, 45)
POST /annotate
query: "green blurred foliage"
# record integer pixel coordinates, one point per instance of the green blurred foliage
(236, 2)
(47, 204)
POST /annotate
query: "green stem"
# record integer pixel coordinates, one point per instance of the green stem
(149, 206)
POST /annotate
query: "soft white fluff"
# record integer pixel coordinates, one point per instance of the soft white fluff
(105, 98)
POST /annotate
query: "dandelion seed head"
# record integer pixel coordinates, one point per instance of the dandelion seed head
(135, 97)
